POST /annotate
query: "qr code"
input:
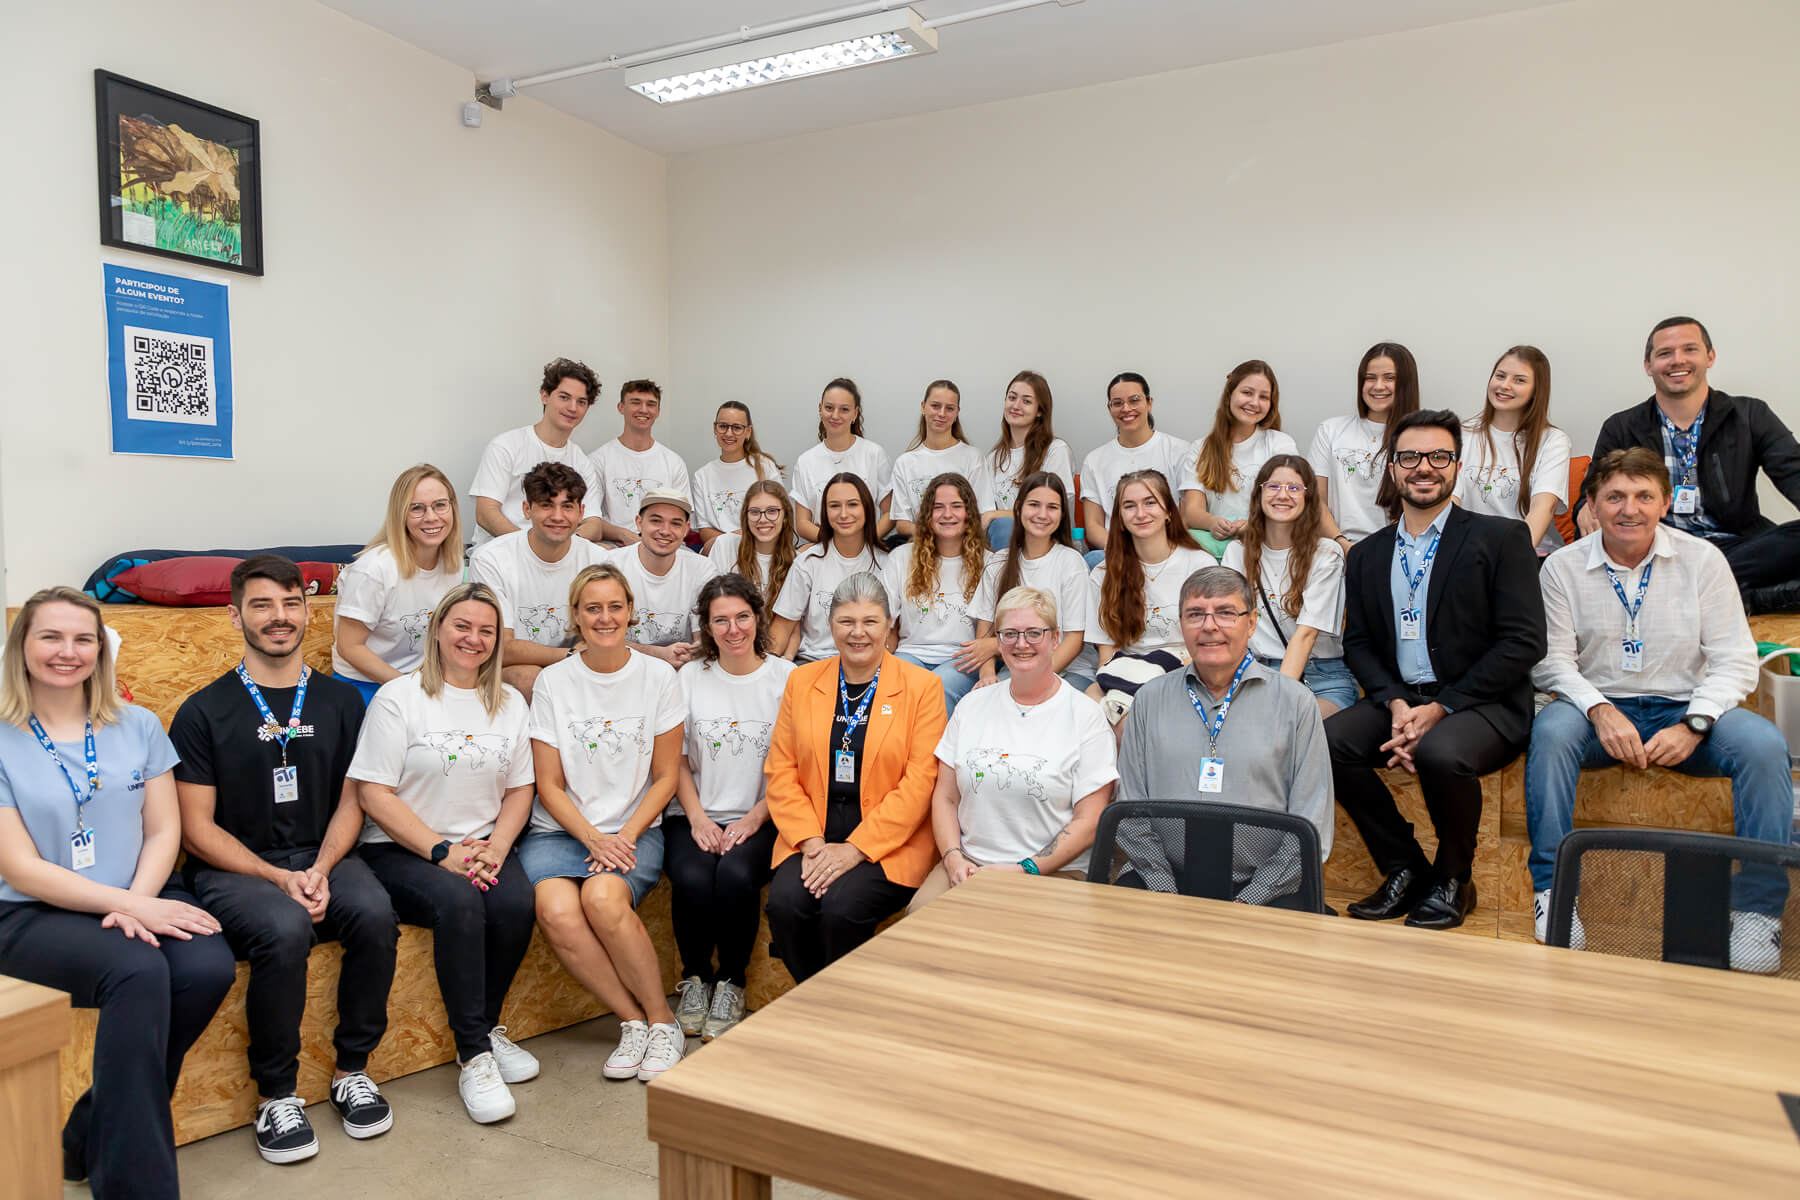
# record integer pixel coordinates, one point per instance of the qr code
(169, 377)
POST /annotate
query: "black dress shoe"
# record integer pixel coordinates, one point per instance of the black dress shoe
(1445, 905)
(74, 1166)
(1775, 598)
(1394, 898)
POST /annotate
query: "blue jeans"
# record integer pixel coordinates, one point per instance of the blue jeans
(1742, 747)
(1094, 558)
(1327, 678)
(999, 532)
(957, 684)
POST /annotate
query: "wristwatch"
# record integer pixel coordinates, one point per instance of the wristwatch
(1699, 724)
(440, 852)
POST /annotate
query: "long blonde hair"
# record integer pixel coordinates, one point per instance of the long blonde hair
(487, 678)
(393, 532)
(99, 688)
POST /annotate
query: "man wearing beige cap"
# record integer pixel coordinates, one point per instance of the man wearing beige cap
(665, 579)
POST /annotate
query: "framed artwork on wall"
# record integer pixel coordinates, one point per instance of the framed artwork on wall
(178, 178)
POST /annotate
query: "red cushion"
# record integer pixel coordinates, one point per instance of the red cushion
(202, 580)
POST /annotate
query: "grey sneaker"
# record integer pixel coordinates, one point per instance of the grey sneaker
(727, 1010)
(690, 1010)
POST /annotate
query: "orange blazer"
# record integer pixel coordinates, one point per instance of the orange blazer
(899, 765)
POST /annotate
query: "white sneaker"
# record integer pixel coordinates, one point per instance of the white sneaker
(516, 1064)
(1755, 943)
(483, 1092)
(663, 1051)
(695, 1002)
(628, 1056)
(1540, 914)
(727, 1010)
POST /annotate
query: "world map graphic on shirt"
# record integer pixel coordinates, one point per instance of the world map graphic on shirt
(472, 750)
(1003, 770)
(734, 737)
(611, 734)
(541, 623)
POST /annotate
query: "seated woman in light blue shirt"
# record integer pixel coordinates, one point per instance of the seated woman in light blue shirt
(89, 830)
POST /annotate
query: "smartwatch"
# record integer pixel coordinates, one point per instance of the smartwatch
(440, 852)
(1699, 724)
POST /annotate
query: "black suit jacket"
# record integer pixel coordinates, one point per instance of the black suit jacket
(1484, 619)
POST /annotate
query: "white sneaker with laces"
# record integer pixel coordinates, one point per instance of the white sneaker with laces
(483, 1092)
(692, 1007)
(663, 1051)
(1540, 914)
(628, 1056)
(516, 1064)
(727, 1010)
(1755, 943)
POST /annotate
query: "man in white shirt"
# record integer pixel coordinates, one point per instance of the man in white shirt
(1649, 655)
(531, 571)
(568, 388)
(665, 579)
(634, 463)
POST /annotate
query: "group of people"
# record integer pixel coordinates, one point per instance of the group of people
(852, 694)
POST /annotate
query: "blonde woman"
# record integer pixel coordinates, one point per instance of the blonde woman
(445, 773)
(385, 598)
(89, 830)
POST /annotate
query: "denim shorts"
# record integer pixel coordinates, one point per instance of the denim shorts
(553, 854)
(1327, 678)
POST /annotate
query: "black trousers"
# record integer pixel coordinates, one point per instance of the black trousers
(478, 938)
(153, 1001)
(270, 931)
(716, 899)
(810, 932)
(1450, 759)
(1766, 558)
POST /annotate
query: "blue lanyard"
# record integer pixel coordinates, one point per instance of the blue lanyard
(1631, 610)
(853, 722)
(93, 766)
(1414, 580)
(275, 730)
(1685, 444)
(1217, 724)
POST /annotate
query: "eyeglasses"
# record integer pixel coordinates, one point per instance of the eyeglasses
(737, 620)
(1284, 489)
(1437, 458)
(1224, 618)
(436, 508)
(763, 514)
(1031, 637)
(727, 428)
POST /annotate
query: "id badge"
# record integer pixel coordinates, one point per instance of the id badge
(1212, 774)
(844, 766)
(81, 850)
(1631, 654)
(1409, 624)
(287, 784)
(1687, 499)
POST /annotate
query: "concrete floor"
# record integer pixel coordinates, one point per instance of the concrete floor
(576, 1134)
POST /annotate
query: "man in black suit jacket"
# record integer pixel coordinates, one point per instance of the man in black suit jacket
(1443, 625)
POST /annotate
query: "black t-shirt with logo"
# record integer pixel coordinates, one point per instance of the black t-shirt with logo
(220, 735)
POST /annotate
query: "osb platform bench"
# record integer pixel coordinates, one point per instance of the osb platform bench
(168, 653)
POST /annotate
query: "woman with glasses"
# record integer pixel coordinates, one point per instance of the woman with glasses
(1024, 768)
(1137, 448)
(761, 549)
(939, 448)
(1515, 462)
(721, 485)
(1040, 552)
(385, 598)
(1349, 453)
(1214, 475)
(1297, 576)
(1027, 445)
(933, 579)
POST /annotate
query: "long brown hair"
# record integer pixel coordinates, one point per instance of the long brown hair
(1406, 401)
(922, 576)
(99, 689)
(871, 528)
(1012, 567)
(846, 385)
(1122, 594)
(1255, 532)
(752, 451)
(780, 558)
(1037, 438)
(1214, 472)
(956, 429)
(1533, 422)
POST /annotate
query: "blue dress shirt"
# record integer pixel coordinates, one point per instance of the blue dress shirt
(1412, 657)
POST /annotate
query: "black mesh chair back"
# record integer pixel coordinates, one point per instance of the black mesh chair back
(1696, 898)
(1219, 851)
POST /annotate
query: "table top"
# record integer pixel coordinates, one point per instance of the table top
(1039, 1036)
(34, 1020)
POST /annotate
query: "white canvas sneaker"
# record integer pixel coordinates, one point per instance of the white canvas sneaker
(727, 1010)
(1755, 943)
(663, 1051)
(516, 1064)
(483, 1092)
(695, 1002)
(628, 1056)
(1540, 914)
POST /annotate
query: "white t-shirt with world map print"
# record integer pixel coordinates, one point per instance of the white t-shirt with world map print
(443, 755)
(806, 594)
(729, 721)
(662, 606)
(1346, 456)
(397, 611)
(626, 474)
(534, 594)
(1162, 602)
(604, 728)
(933, 627)
(1021, 772)
(719, 489)
(1491, 484)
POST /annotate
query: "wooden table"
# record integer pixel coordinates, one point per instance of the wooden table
(1042, 1037)
(34, 1024)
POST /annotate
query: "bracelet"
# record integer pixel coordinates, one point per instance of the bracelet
(1030, 865)
(956, 850)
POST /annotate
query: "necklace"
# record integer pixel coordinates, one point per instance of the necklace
(1162, 566)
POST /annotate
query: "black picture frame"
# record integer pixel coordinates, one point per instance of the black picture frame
(169, 168)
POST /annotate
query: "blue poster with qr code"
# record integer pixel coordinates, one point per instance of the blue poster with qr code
(168, 364)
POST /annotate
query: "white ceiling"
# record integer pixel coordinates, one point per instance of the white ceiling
(1015, 54)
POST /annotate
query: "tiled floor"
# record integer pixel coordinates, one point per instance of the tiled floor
(575, 1135)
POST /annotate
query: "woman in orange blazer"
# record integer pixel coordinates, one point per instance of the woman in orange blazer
(850, 773)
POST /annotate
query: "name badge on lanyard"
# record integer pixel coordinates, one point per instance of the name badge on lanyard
(843, 760)
(286, 777)
(81, 840)
(287, 784)
(81, 850)
(1212, 774)
(1631, 646)
(1212, 767)
(1687, 500)
(1409, 624)
(1410, 615)
(1684, 447)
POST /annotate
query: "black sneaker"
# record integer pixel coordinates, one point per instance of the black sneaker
(361, 1106)
(282, 1132)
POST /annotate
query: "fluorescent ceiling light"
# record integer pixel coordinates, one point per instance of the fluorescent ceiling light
(820, 50)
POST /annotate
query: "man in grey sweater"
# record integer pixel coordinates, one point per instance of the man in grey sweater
(1225, 729)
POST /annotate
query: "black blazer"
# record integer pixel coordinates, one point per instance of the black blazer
(1484, 619)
